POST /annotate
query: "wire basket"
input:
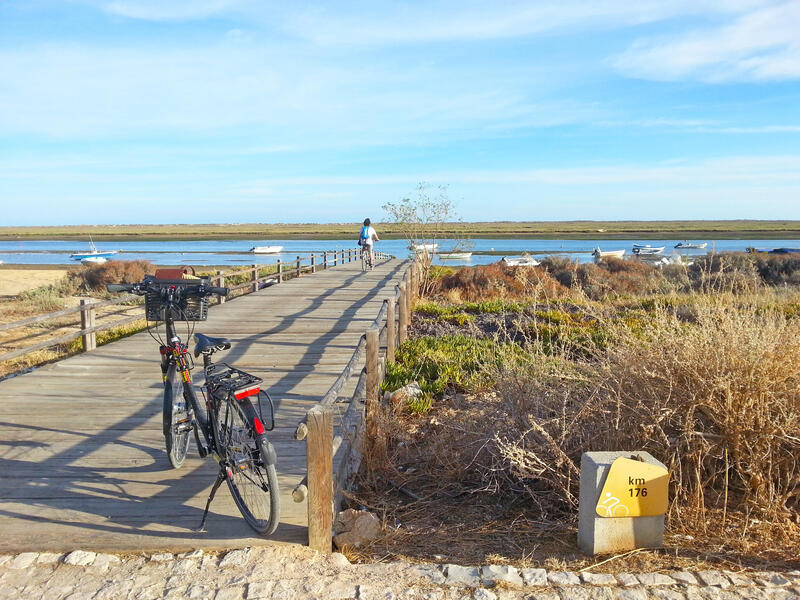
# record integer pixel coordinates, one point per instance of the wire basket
(187, 308)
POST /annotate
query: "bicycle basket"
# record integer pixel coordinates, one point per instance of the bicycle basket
(188, 308)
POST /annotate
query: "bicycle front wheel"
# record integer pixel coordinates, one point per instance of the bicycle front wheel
(252, 478)
(176, 419)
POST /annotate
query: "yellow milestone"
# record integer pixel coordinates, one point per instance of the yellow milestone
(633, 489)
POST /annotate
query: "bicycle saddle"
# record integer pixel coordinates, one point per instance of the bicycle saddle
(205, 344)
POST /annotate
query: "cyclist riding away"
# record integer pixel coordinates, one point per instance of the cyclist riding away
(366, 239)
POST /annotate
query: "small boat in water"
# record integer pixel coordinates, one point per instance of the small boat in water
(520, 261)
(775, 250)
(690, 245)
(266, 249)
(423, 247)
(641, 250)
(92, 253)
(93, 260)
(601, 254)
(455, 255)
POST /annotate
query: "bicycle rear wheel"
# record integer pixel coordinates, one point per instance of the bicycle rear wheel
(252, 478)
(176, 418)
(363, 260)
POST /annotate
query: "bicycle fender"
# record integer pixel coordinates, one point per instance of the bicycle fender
(270, 456)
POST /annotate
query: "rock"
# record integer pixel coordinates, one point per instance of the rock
(771, 579)
(462, 576)
(598, 578)
(655, 579)
(401, 396)
(192, 554)
(534, 577)
(104, 561)
(49, 557)
(337, 559)
(481, 594)
(636, 593)
(355, 527)
(79, 558)
(563, 578)
(198, 591)
(492, 574)
(431, 572)
(235, 558)
(261, 589)
(684, 577)
(715, 578)
(162, 557)
(627, 579)
(23, 561)
(235, 592)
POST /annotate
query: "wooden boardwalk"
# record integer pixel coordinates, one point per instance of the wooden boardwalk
(82, 461)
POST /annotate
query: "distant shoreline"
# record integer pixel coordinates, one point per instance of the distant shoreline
(621, 230)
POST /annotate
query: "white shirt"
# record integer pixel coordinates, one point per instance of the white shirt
(370, 234)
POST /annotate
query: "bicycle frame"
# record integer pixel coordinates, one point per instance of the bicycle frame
(177, 353)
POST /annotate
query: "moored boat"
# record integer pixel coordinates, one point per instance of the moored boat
(520, 261)
(600, 254)
(266, 249)
(691, 245)
(93, 260)
(92, 253)
(644, 249)
(423, 247)
(455, 255)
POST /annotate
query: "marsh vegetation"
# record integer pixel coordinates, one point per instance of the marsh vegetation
(524, 369)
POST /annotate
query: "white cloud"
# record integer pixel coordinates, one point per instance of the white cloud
(293, 94)
(761, 45)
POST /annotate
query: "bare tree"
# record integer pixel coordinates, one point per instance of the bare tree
(422, 222)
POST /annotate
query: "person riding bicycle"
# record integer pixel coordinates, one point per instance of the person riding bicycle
(366, 239)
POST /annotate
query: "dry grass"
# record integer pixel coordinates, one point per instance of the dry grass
(707, 381)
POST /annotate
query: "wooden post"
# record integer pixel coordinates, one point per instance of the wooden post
(325, 259)
(254, 278)
(298, 267)
(374, 442)
(319, 455)
(87, 320)
(402, 333)
(220, 283)
(313, 263)
(280, 271)
(391, 331)
(372, 366)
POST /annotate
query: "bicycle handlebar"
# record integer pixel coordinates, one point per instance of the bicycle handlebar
(143, 288)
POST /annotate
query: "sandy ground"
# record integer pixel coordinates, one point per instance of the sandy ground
(14, 281)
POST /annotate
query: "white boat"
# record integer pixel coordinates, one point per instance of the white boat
(92, 253)
(520, 261)
(455, 255)
(266, 249)
(424, 247)
(685, 245)
(93, 260)
(647, 249)
(600, 254)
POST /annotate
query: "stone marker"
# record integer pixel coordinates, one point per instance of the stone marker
(601, 534)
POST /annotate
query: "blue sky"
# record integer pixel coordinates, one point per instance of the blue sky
(201, 111)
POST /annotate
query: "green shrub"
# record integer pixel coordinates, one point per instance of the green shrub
(453, 361)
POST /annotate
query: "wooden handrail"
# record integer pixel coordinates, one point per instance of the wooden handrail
(88, 330)
(321, 453)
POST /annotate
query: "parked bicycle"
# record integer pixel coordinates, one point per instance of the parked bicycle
(230, 424)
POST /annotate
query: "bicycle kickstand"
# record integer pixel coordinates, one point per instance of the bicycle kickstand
(217, 483)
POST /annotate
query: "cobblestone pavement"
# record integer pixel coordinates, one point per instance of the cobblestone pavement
(296, 573)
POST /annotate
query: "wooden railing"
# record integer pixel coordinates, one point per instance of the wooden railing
(283, 271)
(324, 488)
